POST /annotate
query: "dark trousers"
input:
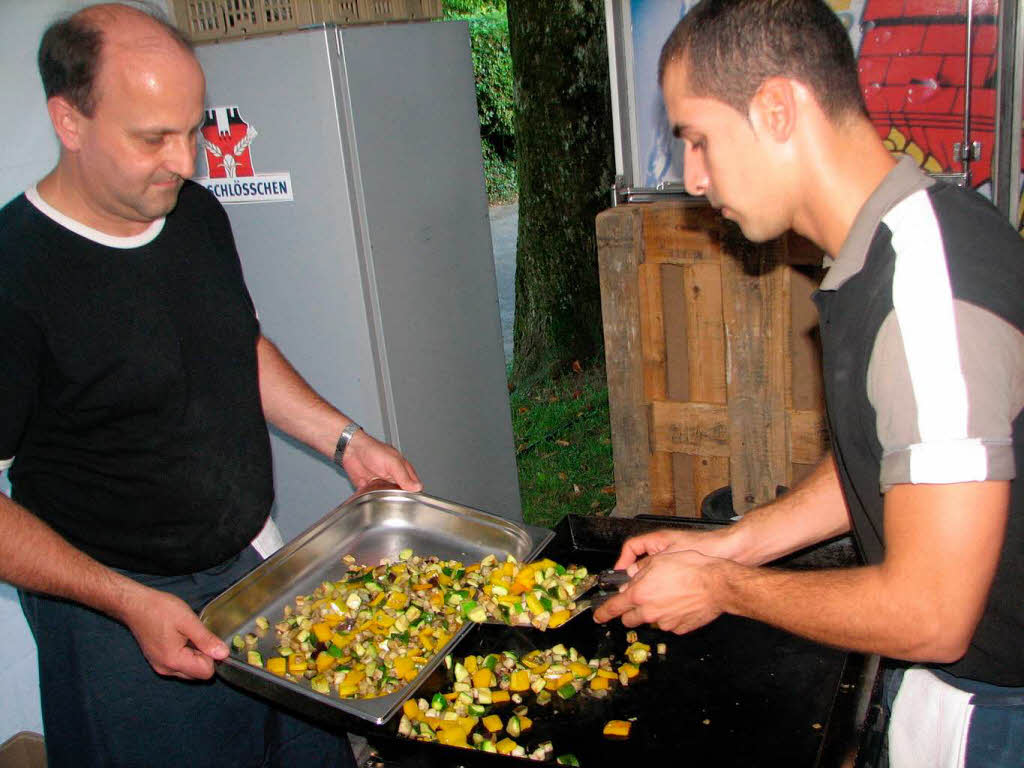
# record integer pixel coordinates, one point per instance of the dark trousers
(103, 705)
(995, 738)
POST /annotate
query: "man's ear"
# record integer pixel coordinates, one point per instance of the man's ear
(67, 122)
(773, 108)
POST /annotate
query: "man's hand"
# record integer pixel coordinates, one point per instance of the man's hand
(366, 458)
(667, 540)
(172, 638)
(675, 591)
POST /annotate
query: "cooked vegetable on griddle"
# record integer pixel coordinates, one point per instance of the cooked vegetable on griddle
(469, 714)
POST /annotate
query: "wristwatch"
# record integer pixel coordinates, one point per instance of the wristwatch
(343, 441)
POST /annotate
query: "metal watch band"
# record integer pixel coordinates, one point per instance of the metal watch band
(343, 441)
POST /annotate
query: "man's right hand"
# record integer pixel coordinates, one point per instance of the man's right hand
(172, 638)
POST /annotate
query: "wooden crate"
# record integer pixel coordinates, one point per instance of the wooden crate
(211, 20)
(713, 362)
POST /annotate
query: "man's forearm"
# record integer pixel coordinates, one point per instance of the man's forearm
(811, 512)
(34, 557)
(290, 404)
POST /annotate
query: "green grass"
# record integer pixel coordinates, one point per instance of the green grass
(564, 447)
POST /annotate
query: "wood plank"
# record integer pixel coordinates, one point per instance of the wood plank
(709, 474)
(808, 435)
(700, 429)
(663, 499)
(753, 300)
(652, 332)
(687, 503)
(706, 342)
(808, 387)
(618, 238)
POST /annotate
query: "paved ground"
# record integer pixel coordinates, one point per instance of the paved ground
(504, 229)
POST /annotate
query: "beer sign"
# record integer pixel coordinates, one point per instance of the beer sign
(226, 138)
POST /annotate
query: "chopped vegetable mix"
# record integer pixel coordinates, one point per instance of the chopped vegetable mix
(370, 632)
(466, 716)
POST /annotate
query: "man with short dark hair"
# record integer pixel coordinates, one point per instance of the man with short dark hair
(133, 417)
(922, 330)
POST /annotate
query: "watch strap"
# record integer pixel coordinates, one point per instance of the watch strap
(343, 441)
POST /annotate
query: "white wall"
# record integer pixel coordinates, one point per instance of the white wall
(28, 150)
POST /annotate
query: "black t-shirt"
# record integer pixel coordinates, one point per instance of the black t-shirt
(130, 397)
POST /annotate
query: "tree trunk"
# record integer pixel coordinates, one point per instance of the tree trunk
(566, 167)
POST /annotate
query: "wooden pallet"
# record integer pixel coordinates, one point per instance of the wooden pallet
(713, 365)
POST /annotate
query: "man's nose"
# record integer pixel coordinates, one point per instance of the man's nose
(695, 175)
(181, 156)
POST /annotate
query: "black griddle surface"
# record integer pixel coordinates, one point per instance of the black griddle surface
(733, 693)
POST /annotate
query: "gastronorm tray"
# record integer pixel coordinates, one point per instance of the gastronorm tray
(370, 525)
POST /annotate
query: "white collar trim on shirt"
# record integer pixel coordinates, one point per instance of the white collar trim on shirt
(145, 237)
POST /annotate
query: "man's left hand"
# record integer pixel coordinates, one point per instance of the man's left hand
(675, 591)
(367, 458)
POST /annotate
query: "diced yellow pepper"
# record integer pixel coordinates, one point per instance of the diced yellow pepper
(524, 723)
(532, 659)
(444, 581)
(354, 677)
(402, 665)
(534, 604)
(324, 661)
(397, 601)
(427, 642)
(505, 746)
(342, 640)
(345, 690)
(492, 723)
(508, 570)
(436, 600)
(297, 664)
(469, 723)
(276, 665)
(558, 618)
(617, 728)
(599, 684)
(580, 670)
(383, 620)
(378, 599)
(411, 710)
(453, 736)
(473, 567)
(470, 664)
(322, 632)
(499, 697)
(564, 679)
(520, 680)
(607, 674)
(631, 670)
(483, 678)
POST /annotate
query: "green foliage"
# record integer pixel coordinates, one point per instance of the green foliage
(564, 447)
(467, 9)
(499, 175)
(492, 71)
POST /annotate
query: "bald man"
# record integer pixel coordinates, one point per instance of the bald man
(133, 416)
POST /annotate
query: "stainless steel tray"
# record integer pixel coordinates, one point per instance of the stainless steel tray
(371, 525)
